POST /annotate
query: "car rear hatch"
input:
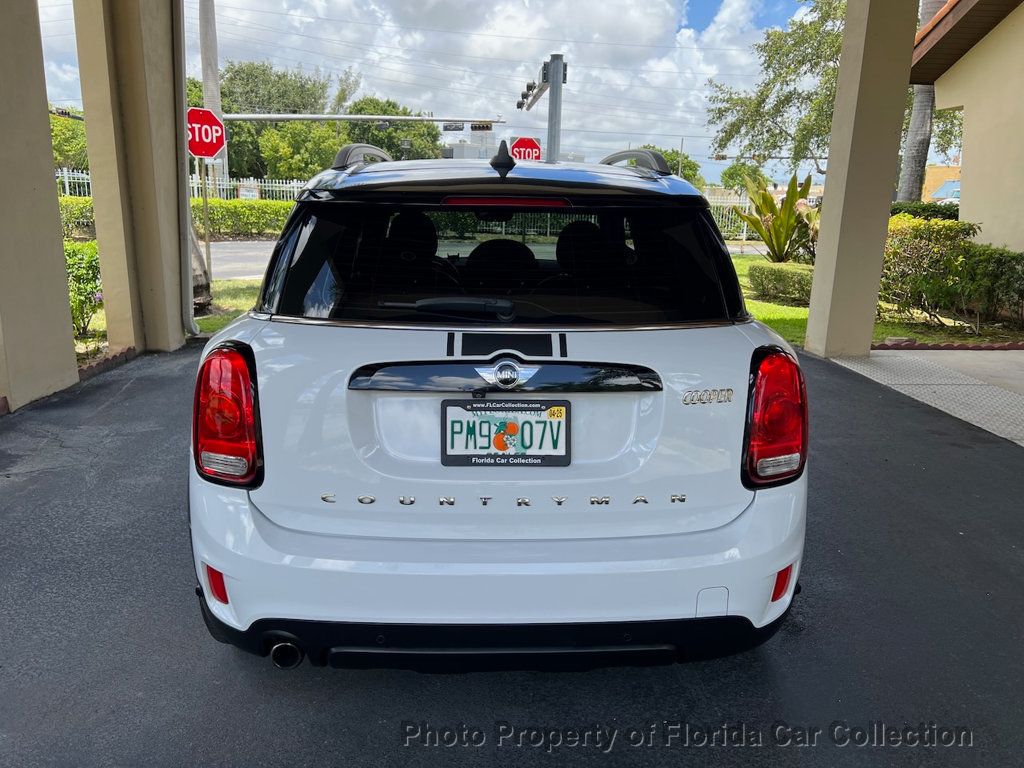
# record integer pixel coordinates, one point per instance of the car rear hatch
(506, 368)
(353, 433)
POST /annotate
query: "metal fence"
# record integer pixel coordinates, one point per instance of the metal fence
(723, 209)
(247, 188)
(79, 183)
(72, 182)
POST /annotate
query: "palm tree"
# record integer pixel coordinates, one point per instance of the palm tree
(919, 134)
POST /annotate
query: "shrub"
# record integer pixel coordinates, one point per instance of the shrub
(923, 267)
(790, 282)
(996, 280)
(921, 210)
(84, 288)
(242, 218)
(777, 225)
(75, 214)
(228, 218)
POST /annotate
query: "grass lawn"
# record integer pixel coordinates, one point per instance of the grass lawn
(790, 322)
(230, 299)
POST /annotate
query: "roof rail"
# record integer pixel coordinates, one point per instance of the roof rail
(645, 158)
(357, 153)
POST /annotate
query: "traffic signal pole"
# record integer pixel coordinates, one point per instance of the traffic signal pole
(556, 72)
(552, 76)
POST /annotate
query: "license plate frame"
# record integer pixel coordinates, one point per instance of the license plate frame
(518, 409)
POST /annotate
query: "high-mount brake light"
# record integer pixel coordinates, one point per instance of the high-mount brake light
(776, 448)
(225, 433)
(508, 202)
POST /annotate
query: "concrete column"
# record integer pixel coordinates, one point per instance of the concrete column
(127, 63)
(871, 97)
(37, 353)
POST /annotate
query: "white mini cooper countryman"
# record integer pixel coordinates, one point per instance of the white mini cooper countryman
(497, 408)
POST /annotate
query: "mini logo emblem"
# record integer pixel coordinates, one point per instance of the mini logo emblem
(707, 396)
(507, 374)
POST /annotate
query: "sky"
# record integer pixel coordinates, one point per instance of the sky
(637, 69)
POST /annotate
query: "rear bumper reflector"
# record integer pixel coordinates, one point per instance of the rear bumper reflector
(781, 583)
(217, 587)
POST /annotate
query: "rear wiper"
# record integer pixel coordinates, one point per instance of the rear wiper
(503, 309)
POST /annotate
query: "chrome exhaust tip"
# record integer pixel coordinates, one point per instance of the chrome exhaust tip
(286, 655)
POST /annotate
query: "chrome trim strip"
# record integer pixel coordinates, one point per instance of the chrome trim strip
(463, 376)
(471, 328)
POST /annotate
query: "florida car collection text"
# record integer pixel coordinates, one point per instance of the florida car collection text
(606, 737)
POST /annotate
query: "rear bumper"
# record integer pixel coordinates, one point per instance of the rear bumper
(459, 647)
(273, 573)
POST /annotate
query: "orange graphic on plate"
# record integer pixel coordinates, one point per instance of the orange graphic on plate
(505, 438)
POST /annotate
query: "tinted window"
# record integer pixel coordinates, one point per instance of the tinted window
(570, 266)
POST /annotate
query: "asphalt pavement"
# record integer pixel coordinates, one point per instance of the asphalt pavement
(911, 614)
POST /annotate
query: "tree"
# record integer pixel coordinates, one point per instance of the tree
(919, 129)
(193, 91)
(735, 176)
(788, 113)
(251, 86)
(69, 147)
(299, 150)
(348, 84)
(424, 138)
(681, 164)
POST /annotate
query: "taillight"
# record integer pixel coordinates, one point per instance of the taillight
(225, 432)
(776, 446)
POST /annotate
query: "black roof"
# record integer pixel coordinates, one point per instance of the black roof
(527, 177)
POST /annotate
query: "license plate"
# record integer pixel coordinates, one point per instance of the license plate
(505, 433)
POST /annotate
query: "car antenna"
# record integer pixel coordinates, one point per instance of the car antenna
(503, 162)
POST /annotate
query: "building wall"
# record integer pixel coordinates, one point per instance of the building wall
(935, 176)
(988, 82)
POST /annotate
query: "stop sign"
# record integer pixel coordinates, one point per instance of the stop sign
(525, 148)
(205, 133)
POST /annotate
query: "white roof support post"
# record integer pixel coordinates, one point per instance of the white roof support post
(871, 97)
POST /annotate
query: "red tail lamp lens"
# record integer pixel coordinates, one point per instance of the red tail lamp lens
(781, 583)
(217, 587)
(225, 439)
(777, 447)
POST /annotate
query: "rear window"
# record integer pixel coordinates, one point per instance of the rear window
(502, 265)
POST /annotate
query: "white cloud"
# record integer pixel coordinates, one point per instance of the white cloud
(637, 73)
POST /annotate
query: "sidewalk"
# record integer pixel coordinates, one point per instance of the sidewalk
(982, 388)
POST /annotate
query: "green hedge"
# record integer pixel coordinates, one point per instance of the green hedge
(787, 281)
(76, 216)
(995, 282)
(242, 218)
(921, 210)
(85, 292)
(933, 266)
(228, 218)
